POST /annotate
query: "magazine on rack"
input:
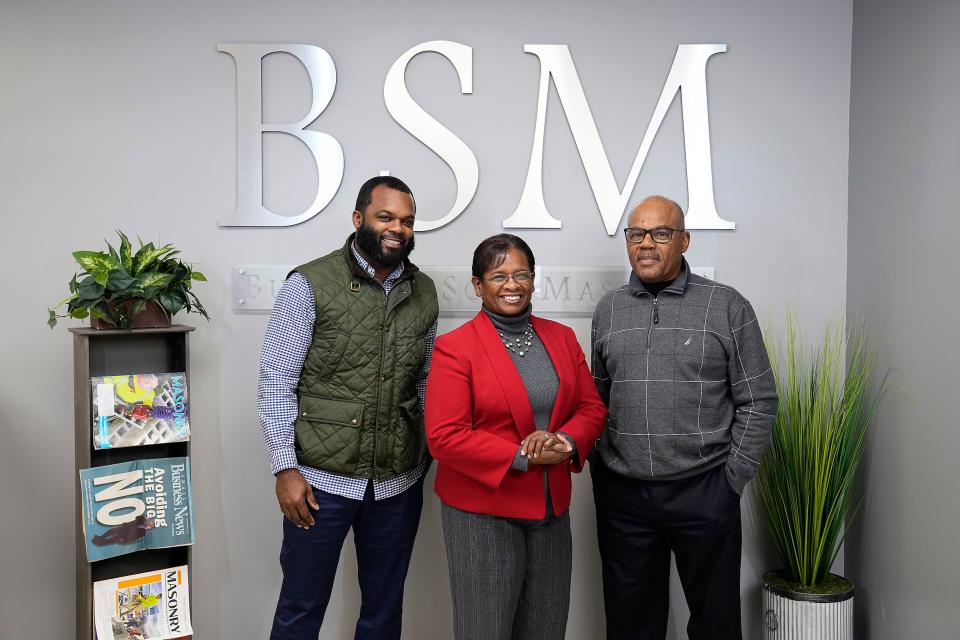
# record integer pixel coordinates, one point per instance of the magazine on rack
(143, 504)
(146, 606)
(140, 408)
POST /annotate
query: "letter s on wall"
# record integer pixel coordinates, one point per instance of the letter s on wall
(411, 116)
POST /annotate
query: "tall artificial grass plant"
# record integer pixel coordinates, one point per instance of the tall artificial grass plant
(829, 395)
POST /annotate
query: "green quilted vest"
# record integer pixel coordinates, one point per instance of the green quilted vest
(359, 413)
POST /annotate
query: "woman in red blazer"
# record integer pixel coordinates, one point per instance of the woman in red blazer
(511, 411)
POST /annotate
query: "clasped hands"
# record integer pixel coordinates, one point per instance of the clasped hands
(543, 447)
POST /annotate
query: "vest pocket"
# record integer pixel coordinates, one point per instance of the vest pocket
(408, 444)
(328, 433)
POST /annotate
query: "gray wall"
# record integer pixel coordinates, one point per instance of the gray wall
(904, 163)
(121, 115)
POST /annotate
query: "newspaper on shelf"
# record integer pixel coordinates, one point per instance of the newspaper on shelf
(146, 606)
(136, 505)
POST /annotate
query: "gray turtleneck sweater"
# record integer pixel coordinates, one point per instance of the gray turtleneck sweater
(535, 368)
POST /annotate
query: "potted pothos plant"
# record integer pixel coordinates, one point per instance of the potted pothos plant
(127, 289)
(829, 396)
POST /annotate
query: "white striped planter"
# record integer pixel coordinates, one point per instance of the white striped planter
(788, 615)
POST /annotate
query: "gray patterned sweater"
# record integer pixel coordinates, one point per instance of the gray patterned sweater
(686, 378)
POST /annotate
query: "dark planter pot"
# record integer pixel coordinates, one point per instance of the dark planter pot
(795, 615)
(152, 317)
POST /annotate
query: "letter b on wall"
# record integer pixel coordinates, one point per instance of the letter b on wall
(326, 151)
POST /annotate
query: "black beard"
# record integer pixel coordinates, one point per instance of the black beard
(369, 243)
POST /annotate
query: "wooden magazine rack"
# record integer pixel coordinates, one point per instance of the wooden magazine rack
(100, 352)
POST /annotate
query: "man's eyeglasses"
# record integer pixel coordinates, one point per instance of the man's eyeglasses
(520, 277)
(660, 235)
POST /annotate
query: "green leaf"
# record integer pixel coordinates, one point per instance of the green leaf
(93, 262)
(52, 320)
(119, 280)
(199, 277)
(114, 256)
(181, 273)
(80, 313)
(172, 301)
(102, 312)
(89, 290)
(126, 257)
(150, 254)
(140, 257)
(154, 279)
(65, 300)
(138, 308)
(199, 306)
(128, 294)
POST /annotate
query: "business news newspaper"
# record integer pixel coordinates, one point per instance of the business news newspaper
(136, 505)
(146, 606)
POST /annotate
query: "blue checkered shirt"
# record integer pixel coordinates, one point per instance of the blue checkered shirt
(285, 346)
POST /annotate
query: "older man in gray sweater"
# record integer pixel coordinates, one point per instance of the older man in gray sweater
(680, 362)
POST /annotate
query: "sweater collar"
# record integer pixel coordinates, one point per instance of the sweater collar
(510, 324)
(678, 286)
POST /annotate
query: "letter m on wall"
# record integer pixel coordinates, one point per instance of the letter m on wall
(687, 77)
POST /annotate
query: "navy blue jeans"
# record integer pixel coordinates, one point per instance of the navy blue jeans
(383, 531)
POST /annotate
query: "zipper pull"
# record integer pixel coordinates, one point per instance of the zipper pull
(656, 312)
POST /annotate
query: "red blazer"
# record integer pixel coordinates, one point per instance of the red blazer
(477, 413)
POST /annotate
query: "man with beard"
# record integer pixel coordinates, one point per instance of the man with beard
(342, 376)
(680, 362)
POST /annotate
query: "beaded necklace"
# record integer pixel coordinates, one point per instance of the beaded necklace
(520, 344)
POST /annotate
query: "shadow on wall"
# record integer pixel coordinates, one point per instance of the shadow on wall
(212, 568)
(37, 471)
(857, 544)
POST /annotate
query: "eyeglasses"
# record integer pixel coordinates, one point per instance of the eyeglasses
(520, 277)
(660, 235)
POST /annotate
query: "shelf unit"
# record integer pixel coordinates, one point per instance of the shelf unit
(101, 352)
